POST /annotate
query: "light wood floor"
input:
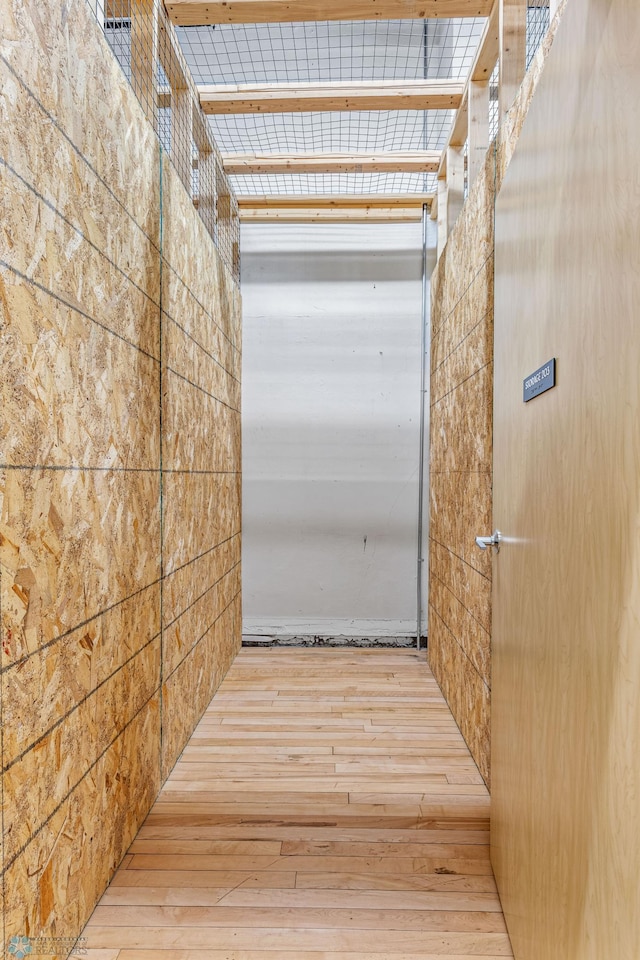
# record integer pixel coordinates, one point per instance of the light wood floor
(326, 808)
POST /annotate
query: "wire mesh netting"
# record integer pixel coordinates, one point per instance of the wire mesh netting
(320, 52)
(494, 106)
(332, 52)
(335, 183)
(537, 27)
(145, 45)
(333, 132)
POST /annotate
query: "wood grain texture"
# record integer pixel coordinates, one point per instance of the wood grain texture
(194, 12)
(419, 161)
(273, 849)
(341, 95)
(566, 728)
(462, 305)
(99, 394)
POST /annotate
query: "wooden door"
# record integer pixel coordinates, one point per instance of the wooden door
(566, 639)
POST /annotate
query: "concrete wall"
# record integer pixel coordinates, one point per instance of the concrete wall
(119, 454)
(331, 357)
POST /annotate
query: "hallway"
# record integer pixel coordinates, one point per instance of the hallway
(326, 808)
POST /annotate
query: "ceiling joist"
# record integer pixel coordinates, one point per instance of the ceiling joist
(334, 200)
(202, 12)
(421, 161)
(481, 70)
(340, 215)
(310, 97)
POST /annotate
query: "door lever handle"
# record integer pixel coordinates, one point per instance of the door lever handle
(493, 541)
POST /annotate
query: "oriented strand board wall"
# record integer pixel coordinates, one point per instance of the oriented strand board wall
(201, 610)
(460, 470)
(119, 456)
(461, 441)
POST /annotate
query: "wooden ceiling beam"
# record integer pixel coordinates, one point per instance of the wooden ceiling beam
(200, 12)
(485, 60)
(341, 215)
(488, 48)
(332, 201)
(421, 161)
(297, 97)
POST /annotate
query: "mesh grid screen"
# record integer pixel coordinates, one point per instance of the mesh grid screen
(494, 112)
(322, 52)
(325, 52)
(146, 47)
(353, 131)
(537, 26)
(330, 50)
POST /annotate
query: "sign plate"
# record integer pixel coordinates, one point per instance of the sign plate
(539, 381)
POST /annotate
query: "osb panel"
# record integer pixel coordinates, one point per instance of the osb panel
(476, 306)
(200, 511)
(209, 284)
(472, 236)
(54, 883)
(59, 53)
(470, 246)
(473, 353)
(466, 693)
(462, 425)
(188, 691)
(184, 586)
(472, 637)
(477, 514)
(188, 359)
(204, 325)
(467, 584)
(71, 392)
(48, 685)
(461, 463)
(61, 261)
(39, 780)
(191, 626)
(80, 518)
(201, 433)
(72, 543)
(461, 440)
(48, 163)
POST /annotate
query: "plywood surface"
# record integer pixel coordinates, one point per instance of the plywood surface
(461, 389)
(566, 740)
(326, 806)
(460, 467)
(120, 422)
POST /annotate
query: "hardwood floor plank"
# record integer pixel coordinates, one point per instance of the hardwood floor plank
(380, 848)
(371, 881)
(206, 879)
(379, 900)
(300, 918)
(217, 847)
(375, 864)
(206, 954)
(300, 832)
(283, 940)
(326, 808)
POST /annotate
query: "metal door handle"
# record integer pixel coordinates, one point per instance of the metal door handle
(493, 541)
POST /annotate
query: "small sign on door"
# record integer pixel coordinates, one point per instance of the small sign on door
(539, 381)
